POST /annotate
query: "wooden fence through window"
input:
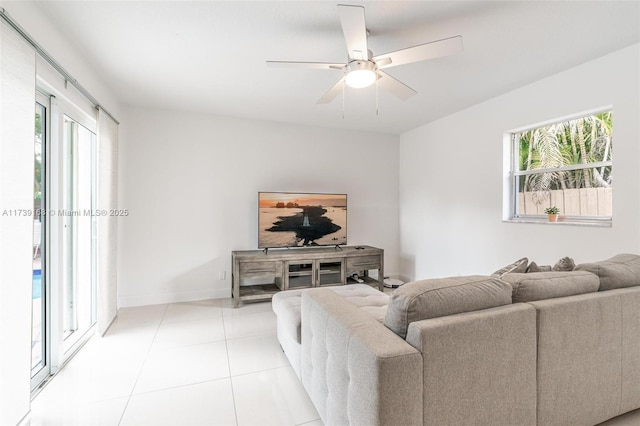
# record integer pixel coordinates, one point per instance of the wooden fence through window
(570, 202)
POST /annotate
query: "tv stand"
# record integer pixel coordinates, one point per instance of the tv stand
(259, 274)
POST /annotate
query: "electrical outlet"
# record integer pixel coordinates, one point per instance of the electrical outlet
(222, 275)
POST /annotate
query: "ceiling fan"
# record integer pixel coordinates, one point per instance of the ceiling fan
(362, 68)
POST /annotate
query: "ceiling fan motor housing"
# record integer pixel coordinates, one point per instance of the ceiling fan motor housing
(360, 73)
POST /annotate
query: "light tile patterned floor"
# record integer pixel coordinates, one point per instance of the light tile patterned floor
(192, 363)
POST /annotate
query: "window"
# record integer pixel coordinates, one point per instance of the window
(564, 164)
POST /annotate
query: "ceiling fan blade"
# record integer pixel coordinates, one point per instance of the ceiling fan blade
(383, 62)
(395, 87)
(355, 30)
(434, 49)
(332, 93)
(316, 65)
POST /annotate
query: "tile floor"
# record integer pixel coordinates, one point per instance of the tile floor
(193, 363)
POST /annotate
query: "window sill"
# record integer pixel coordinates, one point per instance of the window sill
(572, 222)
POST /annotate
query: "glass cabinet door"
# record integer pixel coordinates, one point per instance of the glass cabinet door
(314, 273)
(300, 274)
(329, 272)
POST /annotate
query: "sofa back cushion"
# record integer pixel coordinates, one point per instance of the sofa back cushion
(443, 296)
(622, 270)
(548, 285)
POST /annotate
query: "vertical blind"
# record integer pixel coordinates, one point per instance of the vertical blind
(107, 225)
(17, 112)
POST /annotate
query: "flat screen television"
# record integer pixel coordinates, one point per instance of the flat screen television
(287, 219)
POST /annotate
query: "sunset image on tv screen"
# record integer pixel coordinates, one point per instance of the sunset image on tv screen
(298, 219)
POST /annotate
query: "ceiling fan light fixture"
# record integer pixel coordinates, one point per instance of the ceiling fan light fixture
(360, 74)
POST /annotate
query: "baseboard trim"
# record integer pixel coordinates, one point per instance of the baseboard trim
(127, 301)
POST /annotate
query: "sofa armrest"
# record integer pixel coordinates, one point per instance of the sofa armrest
(357, 371)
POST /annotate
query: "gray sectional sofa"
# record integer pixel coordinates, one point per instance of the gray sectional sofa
(543, 348)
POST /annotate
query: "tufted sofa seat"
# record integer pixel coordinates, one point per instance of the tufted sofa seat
(287, 304)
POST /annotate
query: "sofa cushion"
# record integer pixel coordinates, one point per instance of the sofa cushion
(444, 296)
(549, 285)
(622, 270)
(519, 265)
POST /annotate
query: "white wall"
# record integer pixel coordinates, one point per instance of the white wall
(451, 177)
(191, 183)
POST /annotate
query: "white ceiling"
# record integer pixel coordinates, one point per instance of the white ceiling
(209, 56)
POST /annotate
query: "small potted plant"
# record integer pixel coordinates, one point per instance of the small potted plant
(552, 212)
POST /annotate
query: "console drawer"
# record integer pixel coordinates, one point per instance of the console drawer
(260, 269)
(361, 263)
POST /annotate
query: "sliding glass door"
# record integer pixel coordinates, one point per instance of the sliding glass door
(64, 235)
(39, 321)
(78, 231)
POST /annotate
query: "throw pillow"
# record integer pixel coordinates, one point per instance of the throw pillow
(519, 266)
(564, 264)
(534, 267)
